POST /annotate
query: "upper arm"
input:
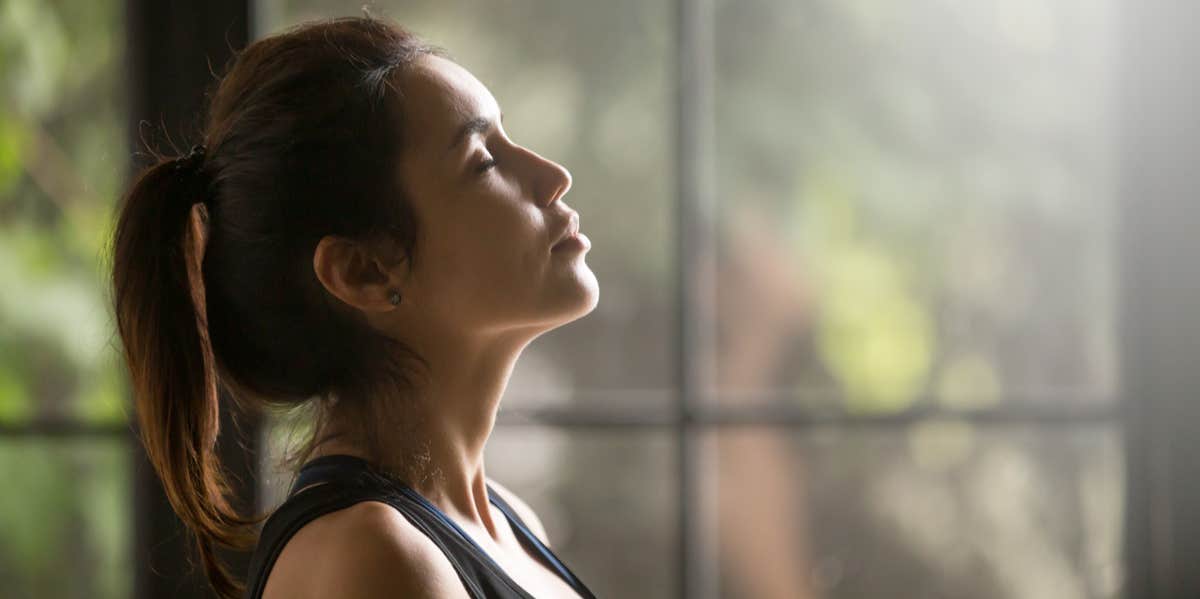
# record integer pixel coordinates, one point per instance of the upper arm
(523, 510)
(369, 550)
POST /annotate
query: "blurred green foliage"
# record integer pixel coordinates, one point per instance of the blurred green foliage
(65, 525)
(63, 156)
(939, 177)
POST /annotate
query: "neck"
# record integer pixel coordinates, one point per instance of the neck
(437, 440)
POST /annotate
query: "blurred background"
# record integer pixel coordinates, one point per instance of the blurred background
(896, 295)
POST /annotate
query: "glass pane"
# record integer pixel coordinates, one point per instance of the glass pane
(592, 490)
(62, 160)
(940, 509)
(587, 84)
(72, 511)
(916, 202)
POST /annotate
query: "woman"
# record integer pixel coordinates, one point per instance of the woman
(356, 235)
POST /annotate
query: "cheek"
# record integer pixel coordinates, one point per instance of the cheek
(485, 238)
(505, 251)
(490, 246)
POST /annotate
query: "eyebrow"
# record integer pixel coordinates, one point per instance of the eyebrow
(478, 124)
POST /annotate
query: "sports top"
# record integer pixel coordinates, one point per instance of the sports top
(349, 480)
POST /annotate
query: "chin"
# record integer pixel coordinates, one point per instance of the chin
(577, 301)
(589, 293)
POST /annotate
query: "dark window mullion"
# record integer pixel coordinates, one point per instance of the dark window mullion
(1160, 289)
(799, 416)
(696, 270)
(703, 414)
(71, 429)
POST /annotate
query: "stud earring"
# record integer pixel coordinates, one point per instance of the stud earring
(394, 297)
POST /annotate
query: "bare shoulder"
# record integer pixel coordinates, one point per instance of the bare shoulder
(522, 509)
(365, 550)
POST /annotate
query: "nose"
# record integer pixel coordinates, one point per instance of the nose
(553, 179)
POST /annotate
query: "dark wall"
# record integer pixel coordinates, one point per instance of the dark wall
(175, 51)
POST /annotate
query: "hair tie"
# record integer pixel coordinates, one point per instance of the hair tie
(192, 164)
(193, 160)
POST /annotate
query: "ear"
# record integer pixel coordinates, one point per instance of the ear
(354, 274)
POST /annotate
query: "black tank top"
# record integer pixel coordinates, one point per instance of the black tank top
(349, 480)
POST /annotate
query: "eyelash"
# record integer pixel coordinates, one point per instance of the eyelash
(487, 165)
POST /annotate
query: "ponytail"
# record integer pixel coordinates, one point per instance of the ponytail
(305, 130)
(158, 296)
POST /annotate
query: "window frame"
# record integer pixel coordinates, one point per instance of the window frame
(171, 45)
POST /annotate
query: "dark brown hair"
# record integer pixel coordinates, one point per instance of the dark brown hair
(302, 137)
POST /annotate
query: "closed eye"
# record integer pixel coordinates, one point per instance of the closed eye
(487, 165)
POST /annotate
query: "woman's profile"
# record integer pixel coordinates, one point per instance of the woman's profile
(356, 237)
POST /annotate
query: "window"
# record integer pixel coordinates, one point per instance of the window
(913, 221)
(906, 302)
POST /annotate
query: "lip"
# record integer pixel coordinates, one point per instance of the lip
(571, 232)
(578, 241)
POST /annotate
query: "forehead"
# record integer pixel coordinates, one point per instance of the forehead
(439, 95)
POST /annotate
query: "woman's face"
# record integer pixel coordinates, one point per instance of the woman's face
(488, 211)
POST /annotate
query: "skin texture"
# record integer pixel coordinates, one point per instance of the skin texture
(485, 285)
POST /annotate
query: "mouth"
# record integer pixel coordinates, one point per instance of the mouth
(571, 234)
(576, 242)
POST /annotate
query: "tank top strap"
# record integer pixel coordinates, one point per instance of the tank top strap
(333, 467)
(533, 543)
(298, 511)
